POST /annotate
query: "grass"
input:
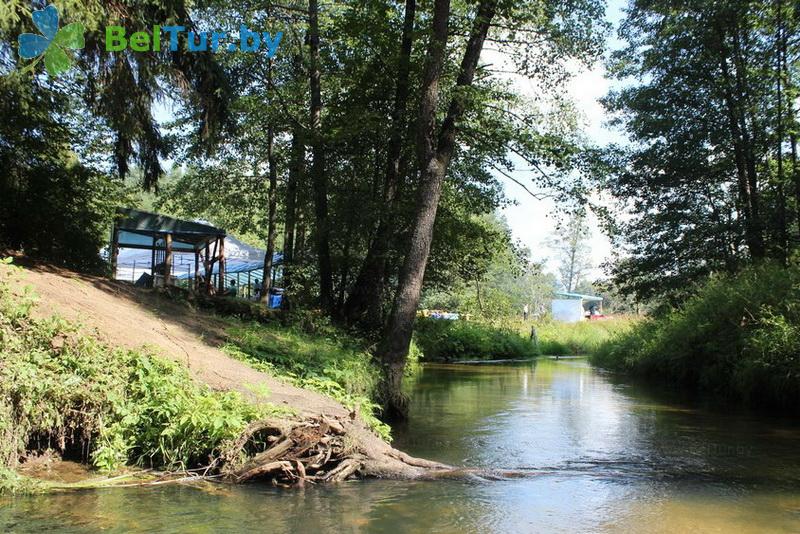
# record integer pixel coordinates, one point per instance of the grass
(585, 337)
(467, 340)
(14, 483)
(63, 390)
(738, 337)
(325, 360)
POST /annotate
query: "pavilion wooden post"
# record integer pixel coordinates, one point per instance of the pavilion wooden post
(168, 260)
(221, 260)
(114, 250)
(209, 264)
(153, 261)
(196, 279)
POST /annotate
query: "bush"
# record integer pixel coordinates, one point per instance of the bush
(463, 340)
(585, 337)
(327, 361)
(739, 337)
(51, 206)
(63, 390)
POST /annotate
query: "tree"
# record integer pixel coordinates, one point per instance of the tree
(492, 277)
(319, 180)
(704, 183)
(434, 153)
(570, 242)
(435, 149)
(364, 302)
(52, 206)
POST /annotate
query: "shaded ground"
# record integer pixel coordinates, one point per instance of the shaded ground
(122, 315)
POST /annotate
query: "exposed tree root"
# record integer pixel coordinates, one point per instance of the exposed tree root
(319, 449)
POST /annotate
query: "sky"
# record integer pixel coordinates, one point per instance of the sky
(533, 221)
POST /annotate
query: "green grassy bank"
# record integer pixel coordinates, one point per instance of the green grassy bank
(313, 354)
(62, 390)
(511, 338)
(739, 338)
(567, 339)
(441, 340)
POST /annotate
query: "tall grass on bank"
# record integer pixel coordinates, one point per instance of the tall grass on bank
(739, 337)
(582, 338)
(466, 340)
(63, 390)
(327, 361)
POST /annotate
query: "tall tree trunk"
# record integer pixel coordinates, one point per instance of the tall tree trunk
(791, 116)
(732, 97)
(364, 305)
(795, 177)
(296, 170)
(266, 283)
(272, 200)
(319, 180)
(783, 248)
(300, 238)
(436, 153)
(747, 133)
(295, 174)
(478, 294)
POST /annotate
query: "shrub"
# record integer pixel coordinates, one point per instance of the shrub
(585, 337)
(63, 390)
(327, 361)
(461, 340)
(739, 336)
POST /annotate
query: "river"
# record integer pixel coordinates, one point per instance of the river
(602, 455)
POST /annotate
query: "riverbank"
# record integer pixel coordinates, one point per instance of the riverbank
(443, 341)
(68, 393)
(177, 403)
(511, 338)
(581, 338)
(737, 338)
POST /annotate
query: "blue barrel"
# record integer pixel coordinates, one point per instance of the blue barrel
(275, 301)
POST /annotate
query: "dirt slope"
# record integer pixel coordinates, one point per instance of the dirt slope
(125, 316)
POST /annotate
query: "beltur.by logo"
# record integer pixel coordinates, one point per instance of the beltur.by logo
(53, 43)
(168, 37)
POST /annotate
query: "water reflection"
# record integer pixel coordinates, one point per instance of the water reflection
(603, 455)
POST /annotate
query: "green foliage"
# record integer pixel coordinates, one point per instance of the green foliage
(492, 280)
(738, 337)
(584, 337)
(14, 483)
(703, 189)
(51, 206)
(167, 420)
(327, 361)
(64, 390)
(570, 243)
(466, 340)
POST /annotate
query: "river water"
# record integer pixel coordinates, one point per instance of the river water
(601, 455)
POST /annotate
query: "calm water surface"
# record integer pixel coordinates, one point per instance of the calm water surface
(603, 456)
